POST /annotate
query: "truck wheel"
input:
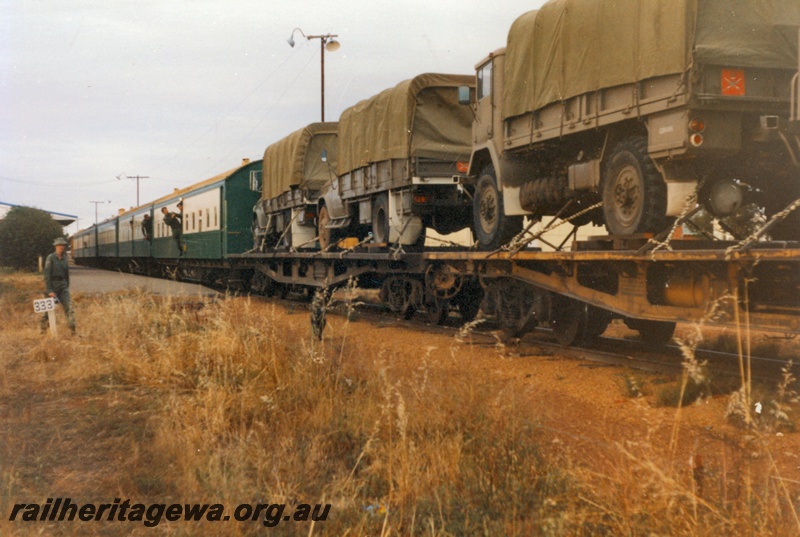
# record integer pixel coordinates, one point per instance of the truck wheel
(634, 193)
(380, 219)
(789, 228)
(326, 235)
(492, 226)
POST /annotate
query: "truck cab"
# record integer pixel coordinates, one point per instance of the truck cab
(496, 211)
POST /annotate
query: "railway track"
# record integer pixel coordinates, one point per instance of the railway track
(604, 350)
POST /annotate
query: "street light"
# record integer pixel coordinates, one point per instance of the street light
(326, 42)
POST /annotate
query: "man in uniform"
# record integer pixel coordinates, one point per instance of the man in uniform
(147, 228)
(175, 223)
(56, 281)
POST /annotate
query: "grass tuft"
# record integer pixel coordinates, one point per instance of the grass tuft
(233, 401)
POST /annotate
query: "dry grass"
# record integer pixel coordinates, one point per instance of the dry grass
(233, 401)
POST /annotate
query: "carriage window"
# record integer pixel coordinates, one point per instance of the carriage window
(255, 180)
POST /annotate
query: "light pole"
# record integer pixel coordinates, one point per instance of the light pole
(326, 42)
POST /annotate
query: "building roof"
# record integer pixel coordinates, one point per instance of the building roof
(61, 218)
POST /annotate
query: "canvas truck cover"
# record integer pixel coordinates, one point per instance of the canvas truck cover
(420, 117)
(571, 47)
(296, 161)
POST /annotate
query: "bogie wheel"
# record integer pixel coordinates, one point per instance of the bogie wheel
(380, 219)
(653, 332)
(281, 290)
(634, 193)
(578, 323)
(468, 301)
(493, 227)
(327, 236)
(401, 295)
(437, 309)
(569, 325)
(597, 320)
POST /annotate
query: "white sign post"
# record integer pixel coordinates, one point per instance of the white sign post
(47, 305)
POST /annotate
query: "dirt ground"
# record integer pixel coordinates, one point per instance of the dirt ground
(586, 410)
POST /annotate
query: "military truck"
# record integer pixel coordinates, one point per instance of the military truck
(294, 171)
(638, 104)
(402, 158)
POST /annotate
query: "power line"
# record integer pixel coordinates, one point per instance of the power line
(263, 117)
(64, 184)
(228, 114)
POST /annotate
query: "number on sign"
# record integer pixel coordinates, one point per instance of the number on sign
(44, 304)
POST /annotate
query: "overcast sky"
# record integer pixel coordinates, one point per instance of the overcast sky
(183, 90)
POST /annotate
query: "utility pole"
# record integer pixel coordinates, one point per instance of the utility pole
(96, 203)
(137, 177)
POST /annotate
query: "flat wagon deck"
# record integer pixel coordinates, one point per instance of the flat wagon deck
(714, 283)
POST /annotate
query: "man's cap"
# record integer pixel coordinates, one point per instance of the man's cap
(59, 242)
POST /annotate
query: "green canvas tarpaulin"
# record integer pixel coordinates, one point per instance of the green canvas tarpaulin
(296, 161)
(420, 117)
(571, 47)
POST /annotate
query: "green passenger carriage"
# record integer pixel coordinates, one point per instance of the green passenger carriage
(212, 226)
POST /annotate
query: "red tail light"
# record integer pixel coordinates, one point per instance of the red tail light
(697, 125)
(462, 167)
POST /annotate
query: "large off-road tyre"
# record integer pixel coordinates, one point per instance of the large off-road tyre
(325, 235)
(493, 228)
(380, 219)
(634, 193)
(789, 228)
